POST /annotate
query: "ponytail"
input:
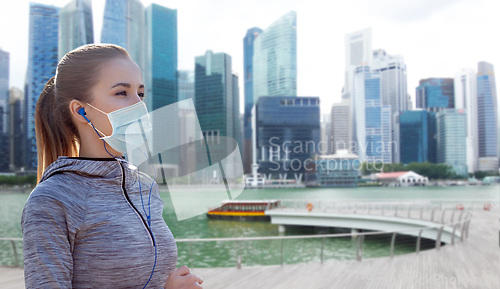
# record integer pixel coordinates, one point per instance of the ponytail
(55, 135)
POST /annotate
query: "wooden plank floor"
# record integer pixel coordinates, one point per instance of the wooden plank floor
(476, 261)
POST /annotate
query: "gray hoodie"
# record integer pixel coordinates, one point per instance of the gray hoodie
(84, 227)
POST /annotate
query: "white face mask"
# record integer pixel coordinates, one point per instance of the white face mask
(127, 132)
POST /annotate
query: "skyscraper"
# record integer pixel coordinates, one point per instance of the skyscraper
(358, 49)
(236, 110)
(340, 126)
(392, 69)
(16, 129)
(393, 89)
(4, 111)
(216, 104)
(161, 66)
(451, 139)
(275, 59)
(413, 133)
(248, 51)
(435, 93)
(487, 117)
(372, 120)
(4, 88)
(76, 26)
(287, 135)
(42, 64)
(358, 52)
(124, 25)
(326, 134)
(466, 98)
(185, 81)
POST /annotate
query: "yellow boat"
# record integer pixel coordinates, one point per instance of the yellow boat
(253, 210)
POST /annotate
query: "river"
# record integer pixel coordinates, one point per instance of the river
(267, 252)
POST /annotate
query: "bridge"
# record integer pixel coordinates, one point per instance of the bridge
(416, 219)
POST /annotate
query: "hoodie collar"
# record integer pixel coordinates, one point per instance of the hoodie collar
(105, 170)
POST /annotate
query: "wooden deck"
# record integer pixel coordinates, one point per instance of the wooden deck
(477, 260)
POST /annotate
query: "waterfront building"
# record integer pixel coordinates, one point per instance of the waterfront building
(399, 179)
(287, 133)
(76, 26)
(337, 170)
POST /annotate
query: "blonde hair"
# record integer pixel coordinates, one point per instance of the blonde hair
(76, 74)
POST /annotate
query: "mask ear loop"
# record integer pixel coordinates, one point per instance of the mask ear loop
(97, 130)
(104, 142)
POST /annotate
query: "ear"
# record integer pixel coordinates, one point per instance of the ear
(74, 107)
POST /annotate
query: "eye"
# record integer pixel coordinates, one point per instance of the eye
(141, 95)
(122, 93)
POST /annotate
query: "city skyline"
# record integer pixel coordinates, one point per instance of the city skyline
(415, 32)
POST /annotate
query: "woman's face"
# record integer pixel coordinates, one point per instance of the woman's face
(120, 85)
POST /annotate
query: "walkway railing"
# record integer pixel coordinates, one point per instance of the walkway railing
(456, 220)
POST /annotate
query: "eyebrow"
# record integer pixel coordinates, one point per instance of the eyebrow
(126, 85)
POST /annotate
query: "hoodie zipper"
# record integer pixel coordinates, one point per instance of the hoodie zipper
(128, 199)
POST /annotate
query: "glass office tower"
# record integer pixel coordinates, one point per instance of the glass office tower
(372, 119)
(42, 64)
(487, 118)
(75, 26)
(451, 139)
(216, 103)
(248, 50)
(287, 134)
(436, 93)
(4, 88)
(275, 59)
(4, 111)
(413, 133)
(161, 52)
(124, 25)
(185, 82)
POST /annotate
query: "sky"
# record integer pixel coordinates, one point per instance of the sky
(436, 38)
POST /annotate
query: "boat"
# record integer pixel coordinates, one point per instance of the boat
(251, 210)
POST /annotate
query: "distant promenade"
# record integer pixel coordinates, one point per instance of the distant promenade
(476, 261)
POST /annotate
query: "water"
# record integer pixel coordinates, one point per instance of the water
(267, 252)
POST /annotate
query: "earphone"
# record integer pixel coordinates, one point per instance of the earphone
(82, 112)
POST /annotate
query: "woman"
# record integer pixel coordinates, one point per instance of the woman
(85, 225)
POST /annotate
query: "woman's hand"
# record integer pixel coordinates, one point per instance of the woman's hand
(180, 278)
